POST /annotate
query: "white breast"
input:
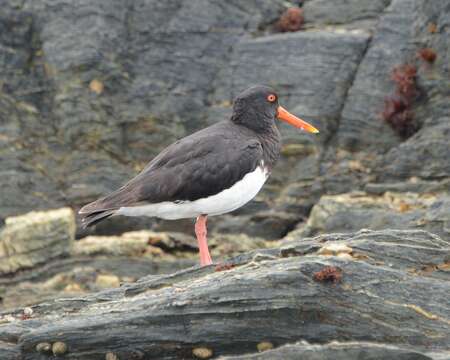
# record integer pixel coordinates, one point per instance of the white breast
(227, 200)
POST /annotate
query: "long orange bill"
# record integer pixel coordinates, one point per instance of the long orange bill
(293, 120)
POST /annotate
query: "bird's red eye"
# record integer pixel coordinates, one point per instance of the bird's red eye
(271, 98)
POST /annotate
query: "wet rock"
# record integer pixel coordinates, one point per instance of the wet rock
(35, 238)
(231, 312)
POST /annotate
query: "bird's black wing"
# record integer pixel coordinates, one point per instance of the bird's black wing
(194, 167)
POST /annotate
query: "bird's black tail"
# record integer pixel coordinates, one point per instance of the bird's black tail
(93, 218)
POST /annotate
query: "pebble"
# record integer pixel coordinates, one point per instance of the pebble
(59, 348)
(202, 352)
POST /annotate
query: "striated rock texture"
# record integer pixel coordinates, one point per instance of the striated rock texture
(383, 287)
(92, 90)
(40, 261)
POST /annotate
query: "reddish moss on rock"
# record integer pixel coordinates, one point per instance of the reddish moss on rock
(404, 77)
(291, 20)
(328, 274)
(427, 54)
(223, 267)
(397, 110)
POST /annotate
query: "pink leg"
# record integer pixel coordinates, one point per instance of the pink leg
(200, 231)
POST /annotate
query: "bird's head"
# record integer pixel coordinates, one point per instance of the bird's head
(258, 107)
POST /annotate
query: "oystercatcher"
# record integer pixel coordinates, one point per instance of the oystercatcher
(211, 172)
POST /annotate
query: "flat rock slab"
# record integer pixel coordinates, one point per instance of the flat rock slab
(358, 210)
(424, 155)
(273, 295)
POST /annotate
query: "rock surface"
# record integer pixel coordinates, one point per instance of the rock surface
(354, 211)
(94, 262)
(389, 291)
(35, 238)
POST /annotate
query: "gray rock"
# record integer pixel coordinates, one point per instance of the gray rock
(425, 155)
(393, 43)
(270, 225)
(231, 312)
(353, 211)
(413, 251)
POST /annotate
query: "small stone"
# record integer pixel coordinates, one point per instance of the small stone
(202, 353)
(59, 348)
(107, 281)
(28, 311)
(264, 346)
(43, 347)
(96, 86)
(334, 249)
(111, 356)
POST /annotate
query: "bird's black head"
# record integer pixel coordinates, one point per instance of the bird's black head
(257, 108)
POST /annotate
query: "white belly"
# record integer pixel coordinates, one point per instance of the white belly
(227, 200)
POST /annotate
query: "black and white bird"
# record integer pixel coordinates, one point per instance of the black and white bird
(211, 172)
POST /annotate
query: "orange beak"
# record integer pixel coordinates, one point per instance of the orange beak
(293, 120)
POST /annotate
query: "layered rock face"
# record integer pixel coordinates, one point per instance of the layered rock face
(384, 291)
(92, 90)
